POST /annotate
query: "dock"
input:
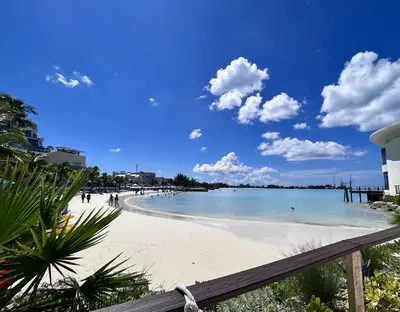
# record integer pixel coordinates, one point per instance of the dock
(373, 193)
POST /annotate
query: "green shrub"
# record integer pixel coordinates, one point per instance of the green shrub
(315, 305)
(283, 290)
(259, 300)
(392, 199)
(382, 292)
(395, 219)
(381, 257)
(325, 282)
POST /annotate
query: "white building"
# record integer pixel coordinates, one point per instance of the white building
(66, 154)
(389, 140)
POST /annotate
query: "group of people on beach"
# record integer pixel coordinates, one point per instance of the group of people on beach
(88, 197)
(113, 201)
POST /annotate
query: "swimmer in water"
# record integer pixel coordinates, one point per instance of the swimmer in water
(291, 208)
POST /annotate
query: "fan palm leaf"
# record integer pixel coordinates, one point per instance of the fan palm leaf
(27, 266)
(19, 201)
(95, 292)
(16, 112)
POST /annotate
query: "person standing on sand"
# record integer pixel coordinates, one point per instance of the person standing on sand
(116, 201)
(88, 197)
(111, 200)
(83, 197)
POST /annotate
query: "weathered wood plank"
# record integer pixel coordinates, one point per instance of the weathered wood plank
(220, 289)
(355, 282)
(376, 238)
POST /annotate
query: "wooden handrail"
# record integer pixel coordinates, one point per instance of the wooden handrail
(223, 288)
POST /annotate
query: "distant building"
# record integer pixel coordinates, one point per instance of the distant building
(147, 178)
(65, 154)
(160, 180)
(389, 140)
(131, 178)
(35, 143)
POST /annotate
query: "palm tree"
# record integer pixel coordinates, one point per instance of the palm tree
(15, 112)
(7, 139)
(104, 177)
(34, 160)
(61, 170)
(32, 244)
(13, 121)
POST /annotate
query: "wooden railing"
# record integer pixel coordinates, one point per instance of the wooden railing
(220, 289)
(367, 188)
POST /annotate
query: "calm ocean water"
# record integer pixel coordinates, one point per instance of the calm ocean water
(325, 207)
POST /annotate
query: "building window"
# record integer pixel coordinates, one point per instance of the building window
(383, 154)
(397, 189)
(386, 180)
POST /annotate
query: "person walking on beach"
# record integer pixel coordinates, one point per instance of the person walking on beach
(88, 197)
(116, 200)
(83, 197)
(111, 200)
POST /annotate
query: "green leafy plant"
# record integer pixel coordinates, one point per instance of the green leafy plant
(392, 199)
(382, 292)
(283, 290)
(32, 242)
(258, 300)
(381, 257)
(315, 305)
(324, 282)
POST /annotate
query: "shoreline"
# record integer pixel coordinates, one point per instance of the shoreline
(183, 251)
(134, 208)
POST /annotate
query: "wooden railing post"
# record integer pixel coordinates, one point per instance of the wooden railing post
(355, 282)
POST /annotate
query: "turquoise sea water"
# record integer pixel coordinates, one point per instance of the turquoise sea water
(325, 207)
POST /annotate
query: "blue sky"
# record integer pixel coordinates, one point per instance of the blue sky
(127, 76)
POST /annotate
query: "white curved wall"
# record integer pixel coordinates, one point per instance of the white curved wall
(393, 164)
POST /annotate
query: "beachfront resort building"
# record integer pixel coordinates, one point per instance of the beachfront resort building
(31, 134)
(140, 178)
(52, 156)
(65, 154)
(389, 140)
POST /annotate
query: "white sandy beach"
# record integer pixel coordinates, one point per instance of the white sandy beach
(184, 251)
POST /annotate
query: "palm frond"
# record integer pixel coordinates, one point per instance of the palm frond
(97, 291)
(19, 201)
(27, 265)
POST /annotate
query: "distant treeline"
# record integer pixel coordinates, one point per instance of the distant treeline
(184, 181)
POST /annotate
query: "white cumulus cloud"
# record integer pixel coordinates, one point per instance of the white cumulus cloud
(115, 150)
(270, 135)
(195, 134)
(294, 149)
(153, 102)
(230, 170)
(279, 108)
(83, 78)
(301, 126)
(226, 165)
(202, 97)
(248, 112)
(203, 149)
(229, 100)
(68, 83)
(240, 75)
(366, 94)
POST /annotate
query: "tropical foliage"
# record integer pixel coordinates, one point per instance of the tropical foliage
(13, 121)
(392, 199)
(36, 238)
(316, 305)
(382, 292)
